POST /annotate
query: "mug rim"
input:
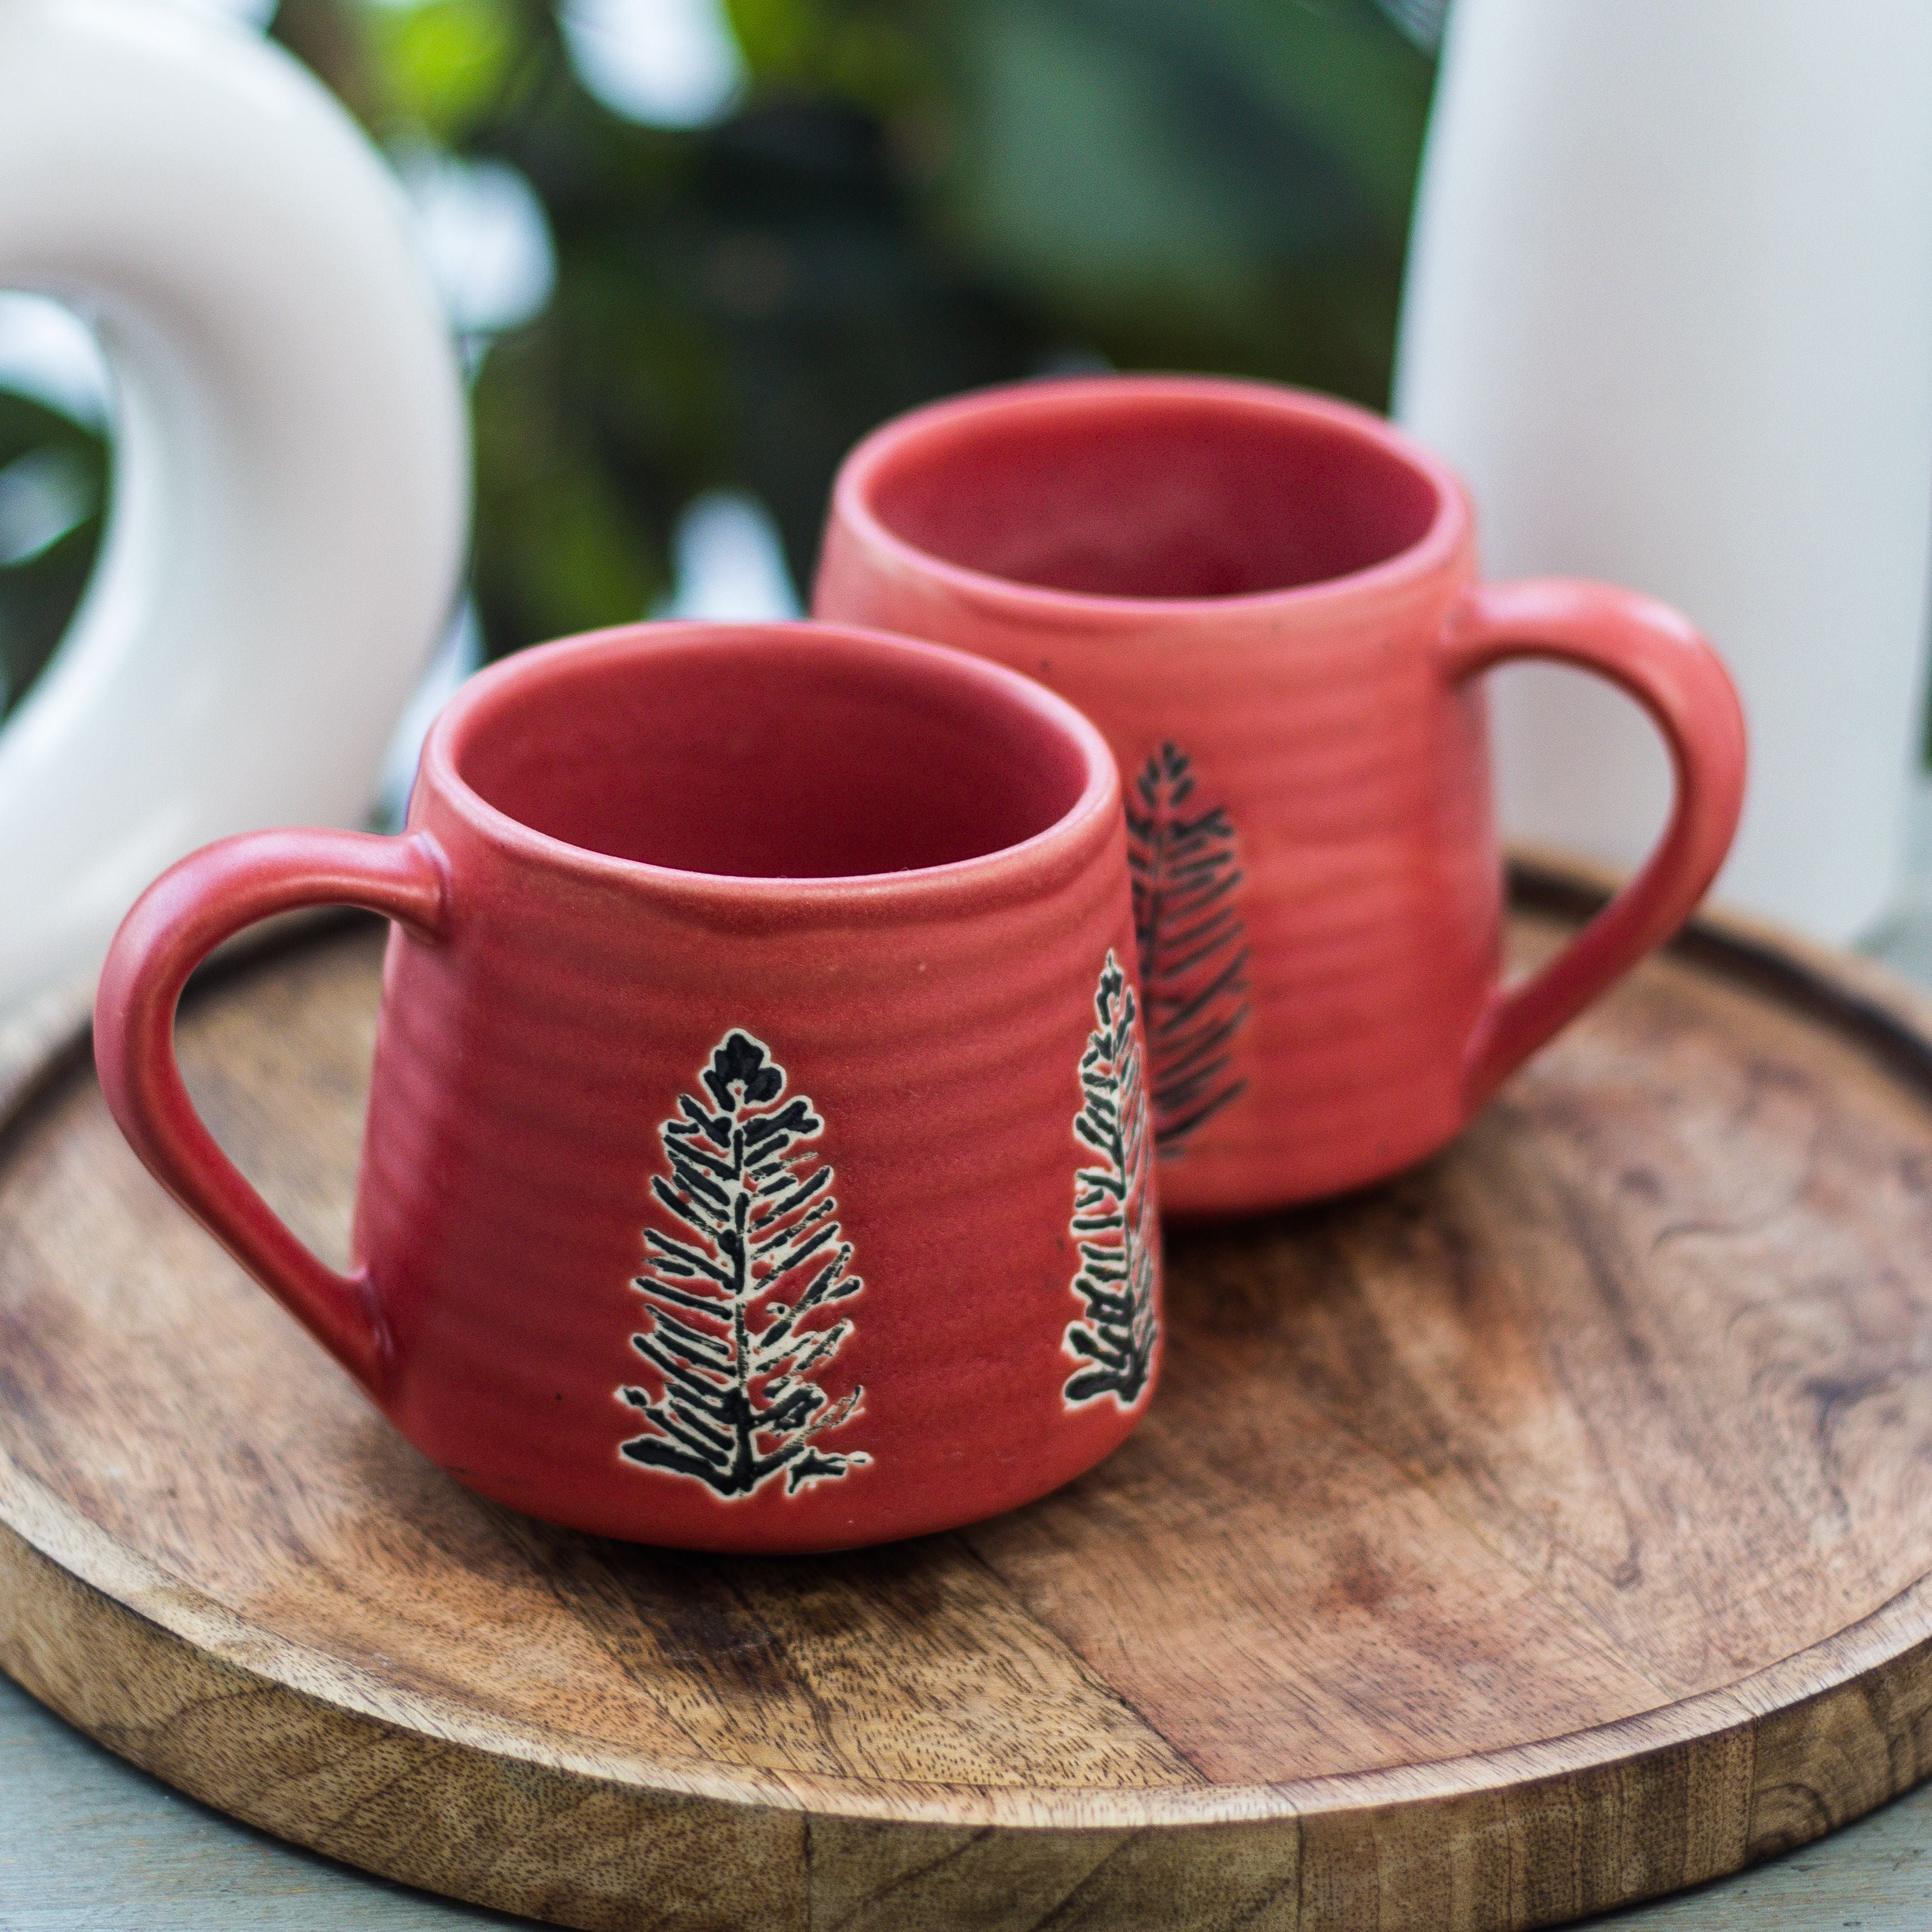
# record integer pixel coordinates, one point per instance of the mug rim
(1086, 822)
(1447, 532)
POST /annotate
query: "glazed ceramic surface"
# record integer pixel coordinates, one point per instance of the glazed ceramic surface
(1672, 337)
(1268, 602)
(757, 1156)
(291, 458)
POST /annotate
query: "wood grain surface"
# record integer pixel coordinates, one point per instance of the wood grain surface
(1540, 1532)
(90, 1843)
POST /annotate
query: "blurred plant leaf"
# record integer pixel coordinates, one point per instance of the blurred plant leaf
(863, 53)
(445, 62)
(53, 489)
(918, 197)
(561, 546)
(1223, 184)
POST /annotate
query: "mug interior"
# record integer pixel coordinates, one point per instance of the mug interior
(788, 753)
(1118, 490)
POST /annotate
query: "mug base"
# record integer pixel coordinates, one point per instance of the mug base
(705, 1527)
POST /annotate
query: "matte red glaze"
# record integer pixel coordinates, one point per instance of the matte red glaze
(899, 868)
(1283, 588)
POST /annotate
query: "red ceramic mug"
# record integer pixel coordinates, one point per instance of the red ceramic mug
(1268, 602)
(755, 1156)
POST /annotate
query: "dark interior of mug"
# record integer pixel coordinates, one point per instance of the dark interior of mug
(778, 753)
(1112, 494)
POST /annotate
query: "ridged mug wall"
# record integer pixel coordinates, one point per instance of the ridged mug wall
(756, 1156)
(1268, 601)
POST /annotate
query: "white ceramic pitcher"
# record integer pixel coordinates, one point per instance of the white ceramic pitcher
(291, 469)
(1669, 310)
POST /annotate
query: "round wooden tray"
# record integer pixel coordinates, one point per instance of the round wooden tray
(1546, 1529)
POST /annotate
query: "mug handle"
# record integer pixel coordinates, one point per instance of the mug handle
(1655, 655)
(189, 911)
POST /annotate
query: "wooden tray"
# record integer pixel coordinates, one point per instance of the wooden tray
(1547, 1529)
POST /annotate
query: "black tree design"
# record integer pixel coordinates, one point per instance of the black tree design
(734, 1293)
(1113, 1220)
(1193, 954)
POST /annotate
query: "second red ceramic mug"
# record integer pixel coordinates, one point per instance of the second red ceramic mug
(755, 1156)
(1268, 602)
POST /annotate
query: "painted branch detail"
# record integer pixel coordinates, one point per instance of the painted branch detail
(735, 1294)
(1193, 953)
(1113, 1220)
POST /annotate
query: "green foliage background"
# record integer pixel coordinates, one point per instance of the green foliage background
(916, 197)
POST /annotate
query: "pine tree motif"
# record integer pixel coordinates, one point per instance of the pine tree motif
(1193, 954)
(732, 1295)
(1114, 1221)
